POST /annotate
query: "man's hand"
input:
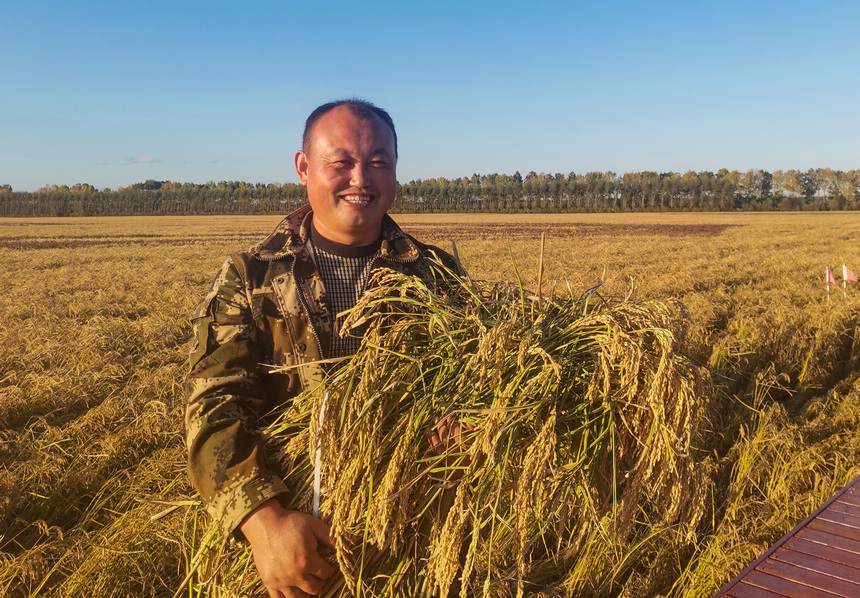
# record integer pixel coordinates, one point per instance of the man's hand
(285, 546)
(448, 434)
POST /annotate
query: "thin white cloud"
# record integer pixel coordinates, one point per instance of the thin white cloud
(140, 160)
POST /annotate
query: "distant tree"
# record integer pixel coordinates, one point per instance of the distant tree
(828, 180)
(846, 188)
(809, 180)
(148, 185)
(754, 190)
(82, 188)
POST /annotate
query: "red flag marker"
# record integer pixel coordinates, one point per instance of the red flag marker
(847, 275)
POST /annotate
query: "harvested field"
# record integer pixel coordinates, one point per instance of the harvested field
(557, 230)
(94, 330)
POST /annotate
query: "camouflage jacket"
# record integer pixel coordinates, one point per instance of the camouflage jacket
(267, 306)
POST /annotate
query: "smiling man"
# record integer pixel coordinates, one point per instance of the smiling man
(348, 164)
(276, 304)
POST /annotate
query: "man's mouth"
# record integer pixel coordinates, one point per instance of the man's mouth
(357, 200)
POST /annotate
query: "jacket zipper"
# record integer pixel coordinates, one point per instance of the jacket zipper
(306, 308)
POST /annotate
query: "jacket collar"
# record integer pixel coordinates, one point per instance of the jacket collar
(292, 234)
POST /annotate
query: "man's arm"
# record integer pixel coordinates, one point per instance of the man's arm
(225, 452)
(225, 449)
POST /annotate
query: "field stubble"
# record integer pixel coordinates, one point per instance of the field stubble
(94, 329)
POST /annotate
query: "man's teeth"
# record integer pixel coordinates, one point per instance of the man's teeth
(357, 199)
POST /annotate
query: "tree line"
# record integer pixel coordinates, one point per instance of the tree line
(724, 190)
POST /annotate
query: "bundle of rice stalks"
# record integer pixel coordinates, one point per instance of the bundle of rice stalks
(575, 419)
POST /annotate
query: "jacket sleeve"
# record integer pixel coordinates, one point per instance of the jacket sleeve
(225, 453)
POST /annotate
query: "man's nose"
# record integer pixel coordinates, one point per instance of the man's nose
(358, 176)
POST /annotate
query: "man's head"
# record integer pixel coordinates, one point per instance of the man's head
(348, 164)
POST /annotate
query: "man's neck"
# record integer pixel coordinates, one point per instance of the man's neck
(320, 241)
(356, 239)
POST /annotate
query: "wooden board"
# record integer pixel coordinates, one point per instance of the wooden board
(819, 558)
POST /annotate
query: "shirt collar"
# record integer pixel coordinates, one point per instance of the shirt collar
(292, 235)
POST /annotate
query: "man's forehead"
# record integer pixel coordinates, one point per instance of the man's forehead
(341, 124)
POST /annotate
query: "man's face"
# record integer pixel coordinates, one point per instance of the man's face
(350, 173)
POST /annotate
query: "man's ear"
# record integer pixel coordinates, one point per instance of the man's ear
(301, 162)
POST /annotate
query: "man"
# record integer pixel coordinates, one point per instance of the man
(275, 304)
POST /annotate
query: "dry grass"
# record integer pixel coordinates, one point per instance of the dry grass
(94, 327)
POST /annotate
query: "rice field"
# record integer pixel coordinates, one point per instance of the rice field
(94, 332)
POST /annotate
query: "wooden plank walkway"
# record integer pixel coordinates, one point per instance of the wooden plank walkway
(819, 558)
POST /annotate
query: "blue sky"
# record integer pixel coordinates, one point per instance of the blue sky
(114, 93)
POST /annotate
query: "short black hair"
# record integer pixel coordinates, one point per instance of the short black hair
(358, 107)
